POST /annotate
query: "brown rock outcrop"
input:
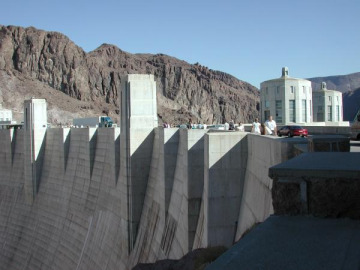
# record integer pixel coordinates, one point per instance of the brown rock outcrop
(183, 90)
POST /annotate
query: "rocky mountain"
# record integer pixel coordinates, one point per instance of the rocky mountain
(47, 64)
(342, 83)
(349, 85)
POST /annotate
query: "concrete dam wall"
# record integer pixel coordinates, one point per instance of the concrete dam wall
(200, 189)
(73, 221)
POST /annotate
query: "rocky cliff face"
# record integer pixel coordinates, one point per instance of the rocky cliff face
(183, 90)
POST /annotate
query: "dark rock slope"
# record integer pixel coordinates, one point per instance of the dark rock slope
(183, 90)
(352, 101)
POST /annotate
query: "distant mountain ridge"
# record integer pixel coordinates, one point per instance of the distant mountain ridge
(342, 83)
(349, 85)
(52, 60)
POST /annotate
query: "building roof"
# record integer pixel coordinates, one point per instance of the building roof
(285, 77)
(324, 89)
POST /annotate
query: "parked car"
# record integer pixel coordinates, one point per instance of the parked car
(292, 131)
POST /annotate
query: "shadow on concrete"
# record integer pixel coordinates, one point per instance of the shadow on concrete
(13, 144)
(138, 175)
(225, 186)
(195, 186)
(117, 158)
(92, 150)
(67, 148)
(39, 164)
(171, 148)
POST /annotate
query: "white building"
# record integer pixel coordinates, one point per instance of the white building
(328, 105)
(287, 99)
(5, 116)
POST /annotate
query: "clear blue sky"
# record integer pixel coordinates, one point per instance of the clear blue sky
(251, 40)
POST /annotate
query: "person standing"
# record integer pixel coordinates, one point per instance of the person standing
(240, 127)
(271, 124)
(189, 125)
(231, 125)
(256, 127)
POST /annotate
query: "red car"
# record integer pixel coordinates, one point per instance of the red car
(292, 131)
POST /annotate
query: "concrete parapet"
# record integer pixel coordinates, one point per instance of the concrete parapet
(322, 130)
(320, 184)
(328, 143)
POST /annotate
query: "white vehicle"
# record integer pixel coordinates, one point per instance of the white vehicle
(217, 127)
(99, 121)
(355, 127)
